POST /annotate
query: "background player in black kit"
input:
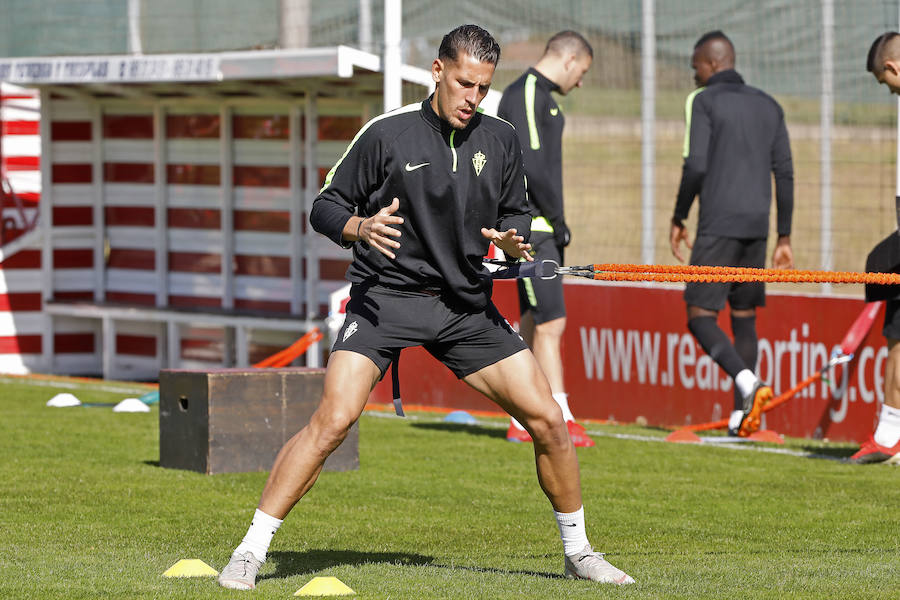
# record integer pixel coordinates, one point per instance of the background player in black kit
(883, 446)
(420, 194)
(528, 104)
(735, 140)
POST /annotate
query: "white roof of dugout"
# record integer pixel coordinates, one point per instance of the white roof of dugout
(270, 74)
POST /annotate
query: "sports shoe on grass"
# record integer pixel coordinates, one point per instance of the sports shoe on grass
(588, 564)
(578, 434)
(873, 452)
(514, 434)
(744, 422)
(240, 572)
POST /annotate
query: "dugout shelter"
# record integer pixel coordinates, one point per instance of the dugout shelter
(175, 189)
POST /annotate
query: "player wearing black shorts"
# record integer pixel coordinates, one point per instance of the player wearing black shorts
(419, 195)
(735, 140)
(883, 446)
(529, 105)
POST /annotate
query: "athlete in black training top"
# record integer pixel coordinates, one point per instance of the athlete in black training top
(432, 183)
(735, 141)
(529, 105)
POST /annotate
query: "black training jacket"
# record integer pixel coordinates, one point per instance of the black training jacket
(450, 184)
(735, 139)
(529, 106)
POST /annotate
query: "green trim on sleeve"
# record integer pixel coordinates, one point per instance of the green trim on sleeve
(534, 140)
(688, 111)
(404, 109)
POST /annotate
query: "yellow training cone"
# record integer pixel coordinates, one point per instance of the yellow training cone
(324, 586)
(190, 567)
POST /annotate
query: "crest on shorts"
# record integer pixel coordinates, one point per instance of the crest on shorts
(351, 329)
(478, 162)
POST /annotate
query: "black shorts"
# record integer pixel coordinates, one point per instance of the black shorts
(543, 297)
(712, 250)
(380, 322)
(891, 329)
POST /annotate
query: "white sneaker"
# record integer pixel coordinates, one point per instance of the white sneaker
(591, 565)
(240, 572)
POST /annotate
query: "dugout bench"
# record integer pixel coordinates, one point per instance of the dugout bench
(237, 325)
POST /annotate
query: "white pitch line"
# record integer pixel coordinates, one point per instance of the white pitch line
(65, 385)
(769, 449)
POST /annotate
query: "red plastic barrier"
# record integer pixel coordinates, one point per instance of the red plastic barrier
(628, 355)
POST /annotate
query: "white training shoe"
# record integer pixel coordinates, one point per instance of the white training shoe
(240, 572)
(591, 565)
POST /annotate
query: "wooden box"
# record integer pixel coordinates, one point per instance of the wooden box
(236, 420)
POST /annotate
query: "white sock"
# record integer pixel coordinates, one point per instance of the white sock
(259, 535)
(516, 424)
(887, 433)
(563, 400)
(571, 530)
(745, 380)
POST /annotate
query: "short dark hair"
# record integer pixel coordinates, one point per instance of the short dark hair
(571, 41)
(874, 63)
(712, 35)
(474, 41)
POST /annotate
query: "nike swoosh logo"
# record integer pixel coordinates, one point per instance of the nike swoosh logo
(571, 524)
(410, 167)
(554, 111)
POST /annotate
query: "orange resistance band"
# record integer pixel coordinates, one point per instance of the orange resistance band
(624, 272)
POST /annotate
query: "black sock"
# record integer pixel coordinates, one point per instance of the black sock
(745, 344)
(716, 344)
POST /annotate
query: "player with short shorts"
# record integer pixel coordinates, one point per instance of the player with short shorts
(419, 195)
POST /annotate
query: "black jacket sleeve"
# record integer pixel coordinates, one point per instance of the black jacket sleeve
(513, 209)
(696, 147)
(783, 169)
(347, 185)
(545, 179)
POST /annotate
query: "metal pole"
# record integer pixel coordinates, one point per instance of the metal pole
(897, 194)
(826, 258)
(393, 19)
(648, 134)
(294, 24)
(134, 27)
(365, 25)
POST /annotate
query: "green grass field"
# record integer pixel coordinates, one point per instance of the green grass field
(437, 511)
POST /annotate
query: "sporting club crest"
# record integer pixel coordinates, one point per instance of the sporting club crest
(478, 162)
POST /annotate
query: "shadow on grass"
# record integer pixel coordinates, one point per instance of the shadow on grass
(290, 564)
(825, 451)
(494, 432)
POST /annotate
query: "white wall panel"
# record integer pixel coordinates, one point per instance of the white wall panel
(195, 240)
(130, 280)
(127, 150)
(129, 194)
(131, 237)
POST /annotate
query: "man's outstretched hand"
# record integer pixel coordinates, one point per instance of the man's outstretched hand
(375, 229)
(511, 244)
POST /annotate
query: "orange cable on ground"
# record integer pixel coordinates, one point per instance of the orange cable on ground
(776, 401)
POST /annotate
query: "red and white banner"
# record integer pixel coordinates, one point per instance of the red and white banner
(628, 356)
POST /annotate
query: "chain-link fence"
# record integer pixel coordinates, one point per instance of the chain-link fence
(809, 54)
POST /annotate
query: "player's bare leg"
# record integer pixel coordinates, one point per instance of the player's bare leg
(348, 380)
(545, 341)
(518, 385)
